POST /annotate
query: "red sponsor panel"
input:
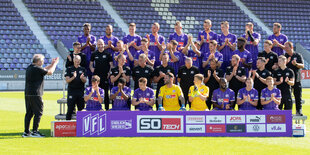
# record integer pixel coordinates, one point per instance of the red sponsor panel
(275, 118)
(171, 124)
(305, 74)
(216, 128)
(64, 128)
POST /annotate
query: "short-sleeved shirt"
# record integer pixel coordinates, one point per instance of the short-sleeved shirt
(165, 70)
(225, 98)
(102, 62)
(266, 95)
(119, 103)
(116, 53)
(244, 55)
(148, 94)
(227, 52)
(106, 40)
(218, 56)
(34, 80)
(195, 58)
(273, 58)
(176, 65)
(259, 85)
(212, 83)
(187, 77)
(198, 104)
(128, 39)
(87, 51)
(93, 103)
(205, 46)
(139, 72)
(181, 39)
(150, 55)
(76, 86)
(281, 39)
(253, 49)
(115, 71)
(253, 97)
(234, 83)
(153, 47)
(284, 87)
(170, 97)
(297, 71)
(83, 62)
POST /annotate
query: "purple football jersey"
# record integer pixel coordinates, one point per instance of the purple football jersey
(93, 103)
(247, 105)
(194, 57)
(227, 51)
(119, 103)
(82, 39)
(115, 54)
(182, 39)
(244, 55)
(150, 55)
(253, 49)
(266, 94)
(281, 39)
(148, 94)
(176, 65)
(205, 46)
(217, 56)
(223, 97)
(128, 39)
(106, 41)
(153, 47)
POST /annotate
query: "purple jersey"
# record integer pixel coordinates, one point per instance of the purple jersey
(182, 39)
(176, 65)
(93, 103)
(115, 54)
(148, 94)
(106, 41)
(281, 39)
(119, 103)
(82, 39)
(194, 57)
(266, 95)
(153, 47)
(227, 51)
(205, 45)
(223, 97)
(244, 55)
(150, 55)
(253, 49)
(128, 39)
(253, 95)
(218, 56)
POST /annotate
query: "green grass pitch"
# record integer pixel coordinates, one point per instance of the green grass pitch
(12, 110)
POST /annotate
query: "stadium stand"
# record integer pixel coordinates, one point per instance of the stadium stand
(17, 42)
(63, 20)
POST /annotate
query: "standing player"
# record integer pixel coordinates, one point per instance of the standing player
(235, 75)
(227, 44)
(120, 71)
(186, 77)
(223, 98)
(143, 97)
(142, 70)
(271, 96)
(295, 63)
(94, 95)
(156, 42)
(88, 42)
(109, 40)
(150, 56)
(198, 94)
(100, 64)
(76, 51)
(160, 73)
(76, 78)
(212, 55)
(278, 39)
(176, 58)
(133, 41)
(270, 56)
(120, 95)
(194, 53)
(122, 49)
(259, 76)
(247, 96)
(170, 95)
(245, 56)
(212, 77)
(284, 79)
(33, 92)
(253, 39)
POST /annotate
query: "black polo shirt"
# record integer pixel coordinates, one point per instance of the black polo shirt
(115, 71)
(273, 58)
(83, 60)
(187, 77)
(139, 72)
(234, 83)
(284, 87)
(258, 85)
(297, 71)
(163, 69)
(212, 83)
(76, 86)
(34, 80)
(101, 63)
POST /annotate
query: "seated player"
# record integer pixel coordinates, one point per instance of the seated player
(271, 96)
(169, 95)
(223, 98)
(120, 95)
(143, 97)
(198, 94)
(94, 95)
(248, 96)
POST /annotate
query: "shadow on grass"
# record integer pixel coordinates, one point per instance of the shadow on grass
(46, 132)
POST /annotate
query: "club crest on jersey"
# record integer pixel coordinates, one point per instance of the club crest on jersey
(226, 95)
(287, 74)
(173, 91)
(104, 56)
(192, 72)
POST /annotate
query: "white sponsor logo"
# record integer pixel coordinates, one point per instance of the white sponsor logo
(121, 124)
(94, 124)
(255, 118)
(195, 129)
(256, 128)
(230, 119)
(276, 127)
(195, 119)
(215, 119)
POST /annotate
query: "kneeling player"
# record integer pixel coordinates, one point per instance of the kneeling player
(198, 94)
(120, 95)
(271, 96)
(248, 96)
(169, 96)
(143, 97)
(223, 98)
(94, 95)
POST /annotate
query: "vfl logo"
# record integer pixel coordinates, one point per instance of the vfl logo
(94, 124)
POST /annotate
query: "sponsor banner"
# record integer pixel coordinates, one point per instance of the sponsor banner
(185, 123)
(276, 127)
(252, 128)
(215, 119)
(195, 119)
(195, 129)
(19, 75)
(255, 119)
(305, 74)
(63, 129)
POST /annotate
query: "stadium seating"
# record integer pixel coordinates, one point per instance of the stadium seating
(63, 20)
(17, 42)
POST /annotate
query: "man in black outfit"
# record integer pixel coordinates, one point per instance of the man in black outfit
(270, 56)
(284, 78)
(33, 92)
(296, 63)
(121, 70)
(76, 78)
(160, 72)
(186, 77)
(142, 70)
(76, 51)
(100, 64)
